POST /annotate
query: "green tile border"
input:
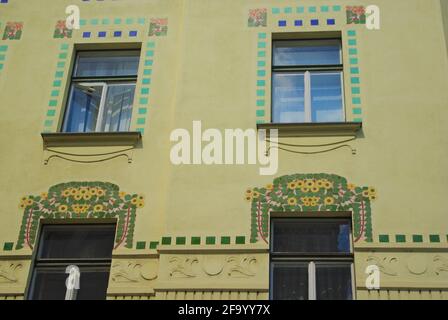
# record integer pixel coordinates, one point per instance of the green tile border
(261, 67)
(140, 245)
(412, 238)
(8, 246)
(400, 238)
(383, 238)
(193, 240)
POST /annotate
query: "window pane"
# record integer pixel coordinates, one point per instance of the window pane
(334, 281)
(48, 283)
(81, 241)
(307, 53)
(326, 97)
(118, 107)
(288, 98)
(107, 63)
(311, 236)
(289, 281)
(83, 108)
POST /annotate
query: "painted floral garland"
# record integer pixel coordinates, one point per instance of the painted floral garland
(310, 193)
(80, 200)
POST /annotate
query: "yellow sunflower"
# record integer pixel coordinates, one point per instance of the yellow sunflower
(351, 187)
(66, 193)
(87, 196)
(315, 189)
(141, 204)
(29, 202)
(62, 208)
(78, 197)
(292, 201)
(270, 186)
(249, 192)
(134, 200)
(305, 189)
(22, 205)
(122, 194)
(83, 190)
(372, 197)
(98, 208)
(329, 201)
(365, 193)
(93, 191)
(328, 185)
(73, 191)
(44, 195)
(248, 198)
(100, 192)
(256, 195)
(292, 185)
(309, 183)
(300, 184)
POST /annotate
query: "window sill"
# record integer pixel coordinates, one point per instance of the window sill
(329, 129)
(63, 139)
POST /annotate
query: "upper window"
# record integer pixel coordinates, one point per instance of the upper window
(102, 91)
(311, 259)
(88, 247)
(307, 81)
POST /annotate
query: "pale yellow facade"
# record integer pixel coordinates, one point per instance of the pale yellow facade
(205, 68)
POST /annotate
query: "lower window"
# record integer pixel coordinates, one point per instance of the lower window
(87, 248)
(311, 259)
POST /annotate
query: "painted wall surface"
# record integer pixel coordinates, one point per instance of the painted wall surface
(196, 231)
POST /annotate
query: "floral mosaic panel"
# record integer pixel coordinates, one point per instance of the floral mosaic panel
(13, 31)
(356, 15)
(80, 200)
(258, 18)
(311, 193)
(61, 31)
(158, 27)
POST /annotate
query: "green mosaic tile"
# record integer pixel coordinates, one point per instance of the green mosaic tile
(354, 70)
(337, 8)
(61, 64)
(146, 81)
(147, 72)
(383, 238)
(57, 83)
(261, 45)
(352, 42)
(324, 8)
(144, 91)
(400, 238)
(1, 66)
(261, 73)
(312, 9)
(434, 238)
(63, 55)
(260, 121)
(355, 80)
(287, 10)
(143, 100)
(141, 21)
(3, 48)
(140, 245)
(417, 238)
(149, 63)
(8, 246)
(261, 83)
(351, 33)
(51, 113)
(260, 113)
(225, 240)
(59, 74)
(82, 22)
(275, 10)
(352, 51)
(48, 123)
(261, 93)
(2, 57)
(142, 131)
(300, 9)
(153, 245)
(260, 103)
(142, 110)
(52, 103)
(181, 240)
(105, 21)
(150, 53)
(196, 240)
(240, 240)
(356, 90)
(64, 46)
(117, 21)
(141, 121)
(94, 22)
(356, 100)
(357, 111)
(357, 120)
(55, 93)
(261, 54)
(261, 63)
(129, 21)
(166, 240)
(262, 35)
(353, 60)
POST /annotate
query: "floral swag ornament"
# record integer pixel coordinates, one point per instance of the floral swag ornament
(310, 193)
(80, 200)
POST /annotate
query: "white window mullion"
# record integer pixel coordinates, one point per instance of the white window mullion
(101, 109)
(307, 96)
(311, 281)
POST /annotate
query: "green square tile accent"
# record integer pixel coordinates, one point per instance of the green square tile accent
(129, 21)
(105, 21)
(357, 111)
(353, 60)
(153, 245)
(51, 113)
(196, 240)
(260, 121)
(356, 90)
(1, 66)
(141, 130)
(59, 74)
(261, 93)
(287, 10)
(148, 63)
(260, 103)
(141, 121)
(144, 91)
(261, 54)
(324, 8)
(300, 9)
(64, 46)
(3, 48)
(166, 240)
(53, 103)
(150, 53)
(143, 101)
(225, 240)
(2, 57)
(141, 20)
(147, 72)
(151, 44)
(48, 123)
(383, 238)
(356, 100)
(61, 64)
(351, 33)
(312, 9)
(354, 80)
(352, 42)
(142, 110)
(146, 81)
(261, 73)
(261, 83)
(260, 113)
(352, 51)
(8, 246)
(210, 240)
(63, 55)
(55, 93)
(354, 70)
(181, 240)
(57, 83)
(117, 21)
(357, 120)
(261, 45)
(434, 238)
(417, 238)
(400, 238)
(336, 8)
(262, 35)
(140, 245)
(94, 22)
(275, 10)
(82, 22)
(261, 63)
(240, 240)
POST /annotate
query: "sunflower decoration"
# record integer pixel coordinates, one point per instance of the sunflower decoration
(44, 195)
(305, 189)
(98, 208)
(292, 185)
(73, 191)
(327, 184)
(314, 201)
(300, 184)
(306, 201)
(269, 187)
(309, 183)
(292, 201)
(249, 195)
(315, 189)
(100, 192)
(63, 208)
(76, 208)
(122, 195)
(329, 201)
(93, 191)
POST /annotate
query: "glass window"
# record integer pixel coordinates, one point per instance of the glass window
(311, 259)
(88, 247)
(307, 81)
(102, 92)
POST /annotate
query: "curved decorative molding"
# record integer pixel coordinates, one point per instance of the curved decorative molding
(8, 272)
(241, 266)
(80, 200)
(132, 271)
(387, 265)
(311, 193)
(441, 264)
(183, 267)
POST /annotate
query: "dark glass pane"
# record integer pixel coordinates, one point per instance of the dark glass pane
(334, 281)
(289, 281)
(288, 98)
(311, 236)
(107, 63)
(307, 53)
(118, 107)
(48, 283)
(83, 108)
(80, 241)
(326, 97)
